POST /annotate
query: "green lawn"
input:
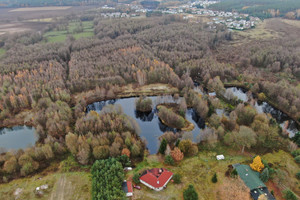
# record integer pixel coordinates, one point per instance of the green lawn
(60, 36)
(2, 52)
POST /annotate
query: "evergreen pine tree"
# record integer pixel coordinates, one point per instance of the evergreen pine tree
(264, 176)
(190, 193)
(163, 146)
(214, 178)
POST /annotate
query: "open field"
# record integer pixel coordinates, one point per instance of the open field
(295, 23)
(62, 186)
(41, 20)
(12, 28)
(6, 14)
(60, 36)
(33, 9)
(261, 31)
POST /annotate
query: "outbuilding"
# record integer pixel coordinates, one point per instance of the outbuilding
(127, 188)
(220, 157)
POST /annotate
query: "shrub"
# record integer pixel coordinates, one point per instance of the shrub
(177, 178)
(296, 153)
(124, 160)
(69, 164)
(136, 178)
(296, 139)
(234, 173)
(289, 195)
(169, 160)
(264, 176)
(214, 179)
(185, 146)
(177, 143)
(298, 175)
(297, 159)
(190, 193)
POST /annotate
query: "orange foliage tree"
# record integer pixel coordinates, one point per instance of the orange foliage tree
(177, 155)
(126, 152)
(257, 165)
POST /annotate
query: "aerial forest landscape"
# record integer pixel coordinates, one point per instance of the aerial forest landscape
(150, 100)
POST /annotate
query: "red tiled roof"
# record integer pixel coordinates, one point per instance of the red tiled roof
(156, 178)
(129, 186)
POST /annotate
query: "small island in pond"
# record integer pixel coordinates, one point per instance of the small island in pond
(143, 104)
(172, 115)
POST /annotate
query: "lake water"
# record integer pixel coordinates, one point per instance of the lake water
(150, 125)
(17, 137)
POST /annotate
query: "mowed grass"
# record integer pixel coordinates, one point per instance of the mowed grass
(62, 186)
(60, 36)
(196, 170)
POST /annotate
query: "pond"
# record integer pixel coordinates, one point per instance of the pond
(150, 125)
(263, 107)
(17, 137)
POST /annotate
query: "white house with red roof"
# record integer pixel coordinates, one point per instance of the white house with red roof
(156, 178)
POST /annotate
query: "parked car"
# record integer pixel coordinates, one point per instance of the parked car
(137, 187)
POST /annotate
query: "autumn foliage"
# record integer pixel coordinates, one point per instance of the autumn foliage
(177, 155)
(126, 152)
(257, 165)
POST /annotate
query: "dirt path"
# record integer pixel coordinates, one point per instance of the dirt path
(58, 192)
(68, 188)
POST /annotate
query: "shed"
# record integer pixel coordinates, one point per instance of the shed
(127, 188)
(220, 157)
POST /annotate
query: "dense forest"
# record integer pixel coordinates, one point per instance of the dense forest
(260, 8)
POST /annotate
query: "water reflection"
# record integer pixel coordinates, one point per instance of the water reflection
(144, 116)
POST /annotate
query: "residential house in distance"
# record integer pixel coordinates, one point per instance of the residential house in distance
(253, 182)
(156, 178)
